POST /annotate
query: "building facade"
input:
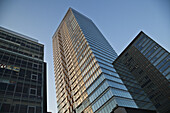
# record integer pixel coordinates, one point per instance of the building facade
(149, 65)
(84, 76)
(131, 110)
(22, 74)
(134, 88)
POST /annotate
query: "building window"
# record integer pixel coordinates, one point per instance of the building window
(140, 72)
(3, 86)
(126, 54)
(35, 66)
(23, 109)
(5, 107)
(11, 87)
(19, 87)
(33, 91)
(3, 66)
(35, 56)
(38, 109)
(31, 109)
(34, 77)
(156, 47)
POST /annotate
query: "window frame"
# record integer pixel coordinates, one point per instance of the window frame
(34, 75)
(35, 91)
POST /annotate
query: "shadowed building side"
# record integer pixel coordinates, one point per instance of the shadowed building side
(22, 74)
(149, 63)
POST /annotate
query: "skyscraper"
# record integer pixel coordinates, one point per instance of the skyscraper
(22, 74)
(84, 76)
(148, 63)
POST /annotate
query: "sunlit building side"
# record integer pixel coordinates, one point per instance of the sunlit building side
(85, 79)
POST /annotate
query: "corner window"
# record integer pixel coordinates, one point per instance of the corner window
(34, 77)
(33, 91)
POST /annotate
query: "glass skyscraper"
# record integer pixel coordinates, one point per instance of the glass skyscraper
(149, 64)
(22, 74)
(84, 76)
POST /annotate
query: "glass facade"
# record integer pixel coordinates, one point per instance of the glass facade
(148, 63)
(85, 78)
(158, 56)
(134, 88)
(22, 74)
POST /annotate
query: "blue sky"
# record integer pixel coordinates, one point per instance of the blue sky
(119, 21)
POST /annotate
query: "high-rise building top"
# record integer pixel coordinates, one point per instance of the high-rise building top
(22, 74)
(149, 63)
(18, 34)
(21, 44)
(84, 76)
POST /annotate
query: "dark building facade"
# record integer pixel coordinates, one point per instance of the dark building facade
(148, 64)
(131, 110)
(84, 76)
(134, 88)
(22, 74)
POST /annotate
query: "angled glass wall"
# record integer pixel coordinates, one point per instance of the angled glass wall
(148, 63)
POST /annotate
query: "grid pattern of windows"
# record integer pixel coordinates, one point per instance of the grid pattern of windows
(21, 74)
(155, 54)
(104, 55)
(108, 107)
(82, 63)
(126, 102)
(148, 63)
(133, 87)
(102, 88)
(17, 44)
(102, 100)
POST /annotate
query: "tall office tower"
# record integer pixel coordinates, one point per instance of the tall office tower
(149, 64)
(84, 76)
(22, 74)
